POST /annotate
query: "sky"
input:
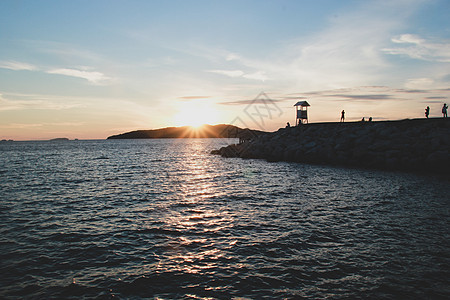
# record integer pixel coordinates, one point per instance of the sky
(89, 69)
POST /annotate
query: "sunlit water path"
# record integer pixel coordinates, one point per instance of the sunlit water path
(164, 218)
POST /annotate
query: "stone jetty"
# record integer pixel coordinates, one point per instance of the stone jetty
(409, 145)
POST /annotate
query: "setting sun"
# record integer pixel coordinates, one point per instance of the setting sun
(196, 114)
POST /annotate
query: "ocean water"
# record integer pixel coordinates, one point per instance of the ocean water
(164, 219)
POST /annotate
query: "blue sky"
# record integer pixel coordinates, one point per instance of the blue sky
(90, 69)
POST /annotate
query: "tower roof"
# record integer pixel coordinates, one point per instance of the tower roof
(302, 103)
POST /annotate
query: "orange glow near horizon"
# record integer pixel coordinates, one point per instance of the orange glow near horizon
(197, 131)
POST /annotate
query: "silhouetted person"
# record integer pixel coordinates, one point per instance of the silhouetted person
(342, 116)
(288, 125)
(370, 119)
(362, 120)
(444, 110)
(427, 112)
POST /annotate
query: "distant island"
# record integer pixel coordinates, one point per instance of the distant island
(205, 131)
(59, 139)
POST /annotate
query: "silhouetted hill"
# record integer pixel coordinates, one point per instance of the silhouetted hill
(206, 131)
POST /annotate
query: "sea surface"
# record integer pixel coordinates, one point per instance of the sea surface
(164, 219)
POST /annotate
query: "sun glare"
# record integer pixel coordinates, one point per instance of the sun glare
(196, 114)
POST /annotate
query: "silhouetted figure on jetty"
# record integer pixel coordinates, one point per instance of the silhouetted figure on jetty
(342, 116)
(288, 125)
(363, 120)
(444, 110)
(427, 112)
(370, 119)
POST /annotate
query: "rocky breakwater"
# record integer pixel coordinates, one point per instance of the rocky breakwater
(410, 145)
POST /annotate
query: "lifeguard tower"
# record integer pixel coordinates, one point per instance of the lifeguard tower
(301, 112)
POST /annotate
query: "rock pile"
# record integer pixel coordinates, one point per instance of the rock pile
(411, 145)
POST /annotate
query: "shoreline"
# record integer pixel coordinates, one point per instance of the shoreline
(414, 145)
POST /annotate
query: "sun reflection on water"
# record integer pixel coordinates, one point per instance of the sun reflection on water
(201, 247)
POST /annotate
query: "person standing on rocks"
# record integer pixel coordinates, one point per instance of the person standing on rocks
(444, 110)
(342, 116)
(427, 112)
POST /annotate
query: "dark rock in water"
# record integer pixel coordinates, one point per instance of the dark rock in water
(59, 140)
(410, 145)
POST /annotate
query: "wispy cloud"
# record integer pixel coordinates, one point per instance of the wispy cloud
(356, 94)
(93, 77)
(232, 56)
(416, 47)
(229, 73)
(20, 125)
(67, 51)
(422, 83)
(17, 66)
(261, 76)
(256, 76)
(362, 97)
(16, 101)
(376, 93)
(264, 101)
(411, 91)
(34, 125)
(436, 97)
(194, 97)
